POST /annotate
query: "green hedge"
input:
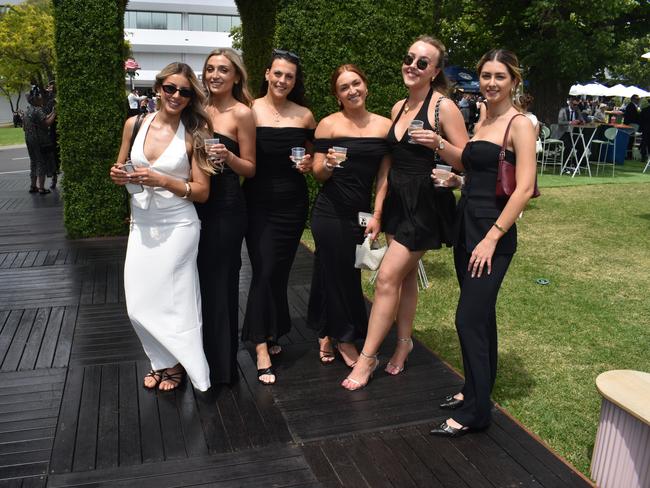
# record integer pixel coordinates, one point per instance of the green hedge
(373, 35)
(89, 36)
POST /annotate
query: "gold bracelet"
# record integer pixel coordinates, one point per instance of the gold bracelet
(500, 228)
(188, 191)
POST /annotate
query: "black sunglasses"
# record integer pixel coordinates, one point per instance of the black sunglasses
(420, 64)
(171, 89)
(289, 54)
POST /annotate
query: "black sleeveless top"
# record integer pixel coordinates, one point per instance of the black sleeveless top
(348, 190)
(225, 190)
(275, 177)
(479, 207)
(418, 214)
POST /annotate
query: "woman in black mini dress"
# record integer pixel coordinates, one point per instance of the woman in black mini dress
(277, 202)
(417, 216)
(337, 309)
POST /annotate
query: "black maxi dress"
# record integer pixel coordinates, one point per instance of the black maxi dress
(277, 203)
(336, 303)
(223, 224)
(418, 214)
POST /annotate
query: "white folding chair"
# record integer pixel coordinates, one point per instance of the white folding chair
(552, 150)
(610, 140)
(647, 165)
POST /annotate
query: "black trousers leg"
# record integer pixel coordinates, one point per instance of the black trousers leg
(477, 332)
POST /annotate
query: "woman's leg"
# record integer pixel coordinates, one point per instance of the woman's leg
(408, 302)
(396, 265)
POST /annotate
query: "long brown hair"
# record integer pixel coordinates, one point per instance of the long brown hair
(440, 83)
(510, 61)
(240, 89)
(194, 117)
(339, 71)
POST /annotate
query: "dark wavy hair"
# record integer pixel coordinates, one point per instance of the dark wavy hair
(297, 94)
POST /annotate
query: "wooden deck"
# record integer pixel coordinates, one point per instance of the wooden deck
(73, 412)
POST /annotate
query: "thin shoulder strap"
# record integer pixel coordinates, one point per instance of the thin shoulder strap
(502, 154)
(436, 116)
(136, 128)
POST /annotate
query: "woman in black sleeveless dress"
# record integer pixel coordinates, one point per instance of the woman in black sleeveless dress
(486, 236)
(336, 303)
(223, 216)
(417, 216)
(277, 202)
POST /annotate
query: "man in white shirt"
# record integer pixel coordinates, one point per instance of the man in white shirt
(134, 99)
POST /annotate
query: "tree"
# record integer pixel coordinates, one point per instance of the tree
(257, 30)
(558, 42)
(27, 44)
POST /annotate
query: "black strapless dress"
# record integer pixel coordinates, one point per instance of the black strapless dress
(223, 224)
(419, 215)
(277, 204)
(336, 303)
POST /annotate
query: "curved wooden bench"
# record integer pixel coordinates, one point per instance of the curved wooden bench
(622, 452)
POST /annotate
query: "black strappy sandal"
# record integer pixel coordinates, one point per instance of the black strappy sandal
(176, 379)
(156, 375)
(265, 371)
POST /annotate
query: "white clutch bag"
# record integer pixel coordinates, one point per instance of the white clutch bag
(369, 254)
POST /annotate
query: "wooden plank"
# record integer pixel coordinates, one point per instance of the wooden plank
(150, 430)
(8, 331)
(195, 444)
(44, 435)
(15, 351)
(320, 465)
(64, 440)
(108, 425)
(170, 425)
(50, 338)
(86, 442)
(112, 282)
(30, 259)
(232, 421)
(99, 284)
(345, 468)
(129, 422)
(33, 345)
(64, 344)
(213, 429)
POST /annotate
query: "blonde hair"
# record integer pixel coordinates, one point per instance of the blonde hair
(440, 83)
(240, 89)
(194, 117)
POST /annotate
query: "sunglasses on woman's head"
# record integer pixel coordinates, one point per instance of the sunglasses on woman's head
(171, 89)
(289, 54)
(420, 64)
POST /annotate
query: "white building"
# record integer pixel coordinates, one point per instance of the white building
(164, 31)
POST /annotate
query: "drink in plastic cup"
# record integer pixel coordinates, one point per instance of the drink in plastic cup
(340, 155)
(297, 155)
(414, 125)
(216, 161)
(442, 172)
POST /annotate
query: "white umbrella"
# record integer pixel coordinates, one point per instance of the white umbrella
(577, 90)
(617, 91)
(595, 89)
(635, 90)
(646, 55)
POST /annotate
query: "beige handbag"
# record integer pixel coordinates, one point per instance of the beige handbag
(369, 254)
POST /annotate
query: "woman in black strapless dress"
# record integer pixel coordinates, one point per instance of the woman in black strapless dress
(223, 216)
(336, 303)
(417, 216)
(486, 236)
(277, 202)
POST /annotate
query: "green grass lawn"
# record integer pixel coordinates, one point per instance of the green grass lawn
(591, 241)
(10, 136)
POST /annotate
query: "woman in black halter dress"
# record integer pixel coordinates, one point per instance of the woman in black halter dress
(486, 236)
(277, 203)
(223, 216)
(337, 307)
(417, 216)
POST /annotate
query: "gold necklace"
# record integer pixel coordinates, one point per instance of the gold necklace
(274, 111)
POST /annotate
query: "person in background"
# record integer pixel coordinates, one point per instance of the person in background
(223, 216)
(632, 113)
(644, 117)
(277, 202)
(36, 124)
(160, 274)
(525, 101)
(486, 236)
(599, 113)
(568, 116)
(134, 100)
(50, 92)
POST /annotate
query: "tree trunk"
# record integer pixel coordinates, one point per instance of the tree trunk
(550, 96)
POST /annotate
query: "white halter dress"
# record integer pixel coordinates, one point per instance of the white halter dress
(161, 282)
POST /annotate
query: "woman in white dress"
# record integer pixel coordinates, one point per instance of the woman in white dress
(161, 281)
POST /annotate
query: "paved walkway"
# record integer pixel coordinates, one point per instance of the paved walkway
(73, 412)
